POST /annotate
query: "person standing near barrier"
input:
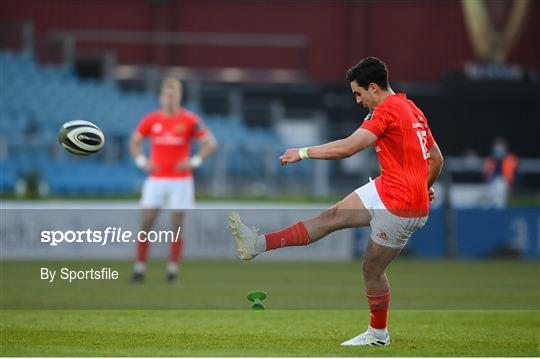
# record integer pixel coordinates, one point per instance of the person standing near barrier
(499, 171)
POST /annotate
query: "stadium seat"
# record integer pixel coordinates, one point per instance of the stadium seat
(31, 116)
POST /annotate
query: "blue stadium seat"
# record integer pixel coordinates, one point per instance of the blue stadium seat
(61, 97)
(8, 177)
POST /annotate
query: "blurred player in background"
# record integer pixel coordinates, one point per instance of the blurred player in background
(499, 172)
(395, 204)
(170, 183)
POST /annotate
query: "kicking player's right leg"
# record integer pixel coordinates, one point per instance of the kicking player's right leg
(348, 213)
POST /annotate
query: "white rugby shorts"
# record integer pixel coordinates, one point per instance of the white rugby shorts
(168, 193)
(387, 229)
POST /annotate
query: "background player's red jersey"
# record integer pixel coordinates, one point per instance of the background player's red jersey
(170, 140)
(402, 146)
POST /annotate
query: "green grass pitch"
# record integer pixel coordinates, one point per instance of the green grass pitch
(439, 308)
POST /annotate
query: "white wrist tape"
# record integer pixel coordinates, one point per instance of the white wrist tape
(303, 153)
(141, 161)
(195, 161)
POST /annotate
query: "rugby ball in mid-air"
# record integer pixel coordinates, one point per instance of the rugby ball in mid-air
(81, 138)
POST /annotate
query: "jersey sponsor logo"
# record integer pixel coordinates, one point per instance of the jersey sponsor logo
(420, 123)
(168, 139)
(157, 127)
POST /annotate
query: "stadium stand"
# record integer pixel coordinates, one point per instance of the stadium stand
(37, 100)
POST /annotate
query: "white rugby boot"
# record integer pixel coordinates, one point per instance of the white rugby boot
(369, 337)
(250, 243)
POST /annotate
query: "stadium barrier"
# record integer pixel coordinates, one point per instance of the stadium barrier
(95, 230)
(479, 233)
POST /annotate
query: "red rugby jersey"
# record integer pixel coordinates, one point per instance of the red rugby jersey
(402, 147)
(170, 140)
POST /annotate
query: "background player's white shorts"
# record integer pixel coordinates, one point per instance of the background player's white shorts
(387, 229)
(169, 193)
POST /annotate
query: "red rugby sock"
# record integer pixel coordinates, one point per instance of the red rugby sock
(176, 251)
(295, 235)
(142, 251)
(378, 309)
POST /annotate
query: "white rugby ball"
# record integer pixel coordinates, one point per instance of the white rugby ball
(81, 138)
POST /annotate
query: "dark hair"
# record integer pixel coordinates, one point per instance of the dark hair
(369, 70)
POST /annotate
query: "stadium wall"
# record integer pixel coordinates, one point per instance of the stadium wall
(206, 231)
(413, 37)
(478, 233)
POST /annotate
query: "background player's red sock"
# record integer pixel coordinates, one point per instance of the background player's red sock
(378, 309)
(142, 255)
(142, 251)
(176, 251)
(295, 235)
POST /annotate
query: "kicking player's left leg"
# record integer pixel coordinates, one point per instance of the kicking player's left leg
(389, 234)
(376, 259)
(348, 213)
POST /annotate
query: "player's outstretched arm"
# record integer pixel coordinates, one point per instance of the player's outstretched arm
(334, 150)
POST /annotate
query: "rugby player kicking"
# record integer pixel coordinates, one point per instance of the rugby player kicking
(395, 204)
(170, 183)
